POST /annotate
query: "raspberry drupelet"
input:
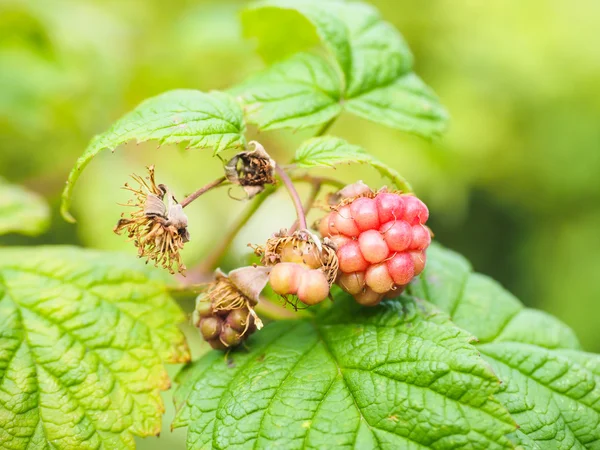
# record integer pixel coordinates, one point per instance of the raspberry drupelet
(381, 240)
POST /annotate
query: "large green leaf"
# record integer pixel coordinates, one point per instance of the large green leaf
(83, 339)
(372, 61)
(301, 92)
(22, 211)
(551, 388)
(397, 376)
(201, 119)
(328, 151)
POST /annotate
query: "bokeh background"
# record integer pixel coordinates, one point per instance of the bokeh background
(514, 185)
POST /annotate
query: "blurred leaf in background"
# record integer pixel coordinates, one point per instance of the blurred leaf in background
(513, 185)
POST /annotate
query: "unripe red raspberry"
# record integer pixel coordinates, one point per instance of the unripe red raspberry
(401, 268)
(389, 206)
(421, 238)
(285, 278)
(313, 287)
(368, 297)
(379, 279)
(397, 234)
(340, 240)
(351, 259)
(343, 223)
(418, 259)
(372, 246)
(364, 212)
(415, 210)
(352, 283)
(381, 240)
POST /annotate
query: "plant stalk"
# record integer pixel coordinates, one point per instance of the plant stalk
(294, 195)
(190, 198)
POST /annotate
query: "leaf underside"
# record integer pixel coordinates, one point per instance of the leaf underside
(550, 387)
(202, 120)
(367, 71)
(22, 211)
(399, 376)
(83, 339)
(329, 151)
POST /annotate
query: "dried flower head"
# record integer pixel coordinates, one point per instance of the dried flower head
(158, 225)
(302, 247)
(225, 312)
(251, 170)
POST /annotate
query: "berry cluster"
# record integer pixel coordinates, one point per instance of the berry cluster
(302, 266)
(224, 328)
(224, 314)
(381, 241)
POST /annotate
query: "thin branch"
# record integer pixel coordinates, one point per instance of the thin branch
(294, 195)
(190, 198)
(314, 193)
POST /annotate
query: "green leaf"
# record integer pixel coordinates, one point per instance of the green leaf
(301, 92)
(370, 58)
(22, 211)
(201, 119)
(83, 339)
(397, 376)
(551, 388)
(328, 151)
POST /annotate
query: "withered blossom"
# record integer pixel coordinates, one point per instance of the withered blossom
(251, 169)
(158, 225)
(302, 247)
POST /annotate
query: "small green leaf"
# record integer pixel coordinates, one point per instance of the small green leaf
(551, 388)
(397, 376)
(370, 58)
(201, 119)
(22, 211)
(83, 339)
(328, 151)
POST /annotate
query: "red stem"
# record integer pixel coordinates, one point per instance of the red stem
(190, 198)
(294, 195)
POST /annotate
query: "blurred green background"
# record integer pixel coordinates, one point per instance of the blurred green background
(514, 185)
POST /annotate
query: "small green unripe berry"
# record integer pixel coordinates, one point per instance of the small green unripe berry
(203, 306)
(238, 318)
(230, 337)
(210, 327)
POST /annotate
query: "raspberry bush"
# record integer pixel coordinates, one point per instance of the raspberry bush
(354, 332)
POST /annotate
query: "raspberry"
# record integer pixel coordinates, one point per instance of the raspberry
(285, 277)
(373, 246)
(351, 258)
(379, 279)
(364, 212)
(343, 223)
(313, 287)
(352, 283)
(397, 235)
(381, 239)
(401, 268)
